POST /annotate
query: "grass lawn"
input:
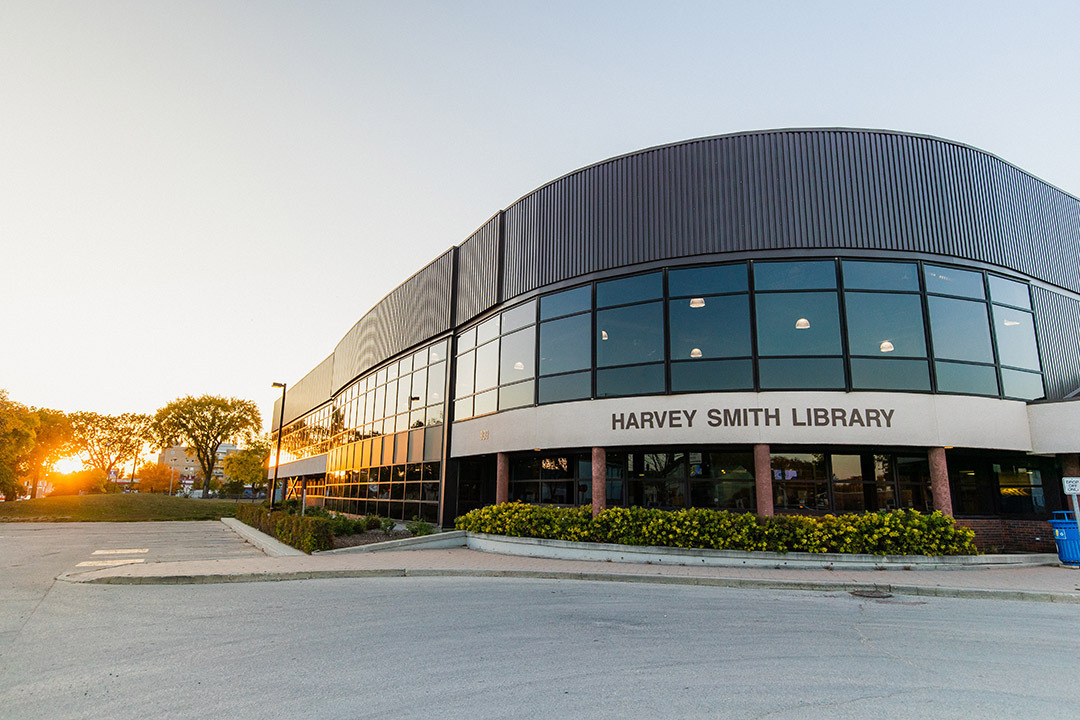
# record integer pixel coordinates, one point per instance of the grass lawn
(114, 508)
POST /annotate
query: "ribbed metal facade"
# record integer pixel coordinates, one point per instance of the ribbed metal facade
(477, 286)
(1058, 320)
(311, 391)
(416, 310)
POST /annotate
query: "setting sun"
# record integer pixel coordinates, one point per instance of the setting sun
(70, 464)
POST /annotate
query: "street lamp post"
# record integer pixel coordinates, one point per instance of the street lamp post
(280, 432)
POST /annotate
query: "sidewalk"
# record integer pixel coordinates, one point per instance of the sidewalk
(1040, 584)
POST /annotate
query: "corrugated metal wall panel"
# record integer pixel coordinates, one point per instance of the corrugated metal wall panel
(308, 393)
(792, 189)
(478, 271)
(1058, 320)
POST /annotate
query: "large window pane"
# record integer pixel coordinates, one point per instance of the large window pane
(882, 323)
(1022, 385)
(799, 481)
(436, 380)
(951, 281)
(707, 280)
(863, 275)
(487, 330)
(631, 334)
(960, 330)
(560, 388)
(486, 402)
(630, 289)
(639, 380)
(487, 365)
(1015, 332)
(513, 396)
(811, 275)
(801, 373)
(889, 374)
(566, 302)
(519, 317)
(706, 375)
(710, 327)
(966, 379)
(1009, 292)
(798, 324)
(565, 344)
(517, 356)
(465, 366)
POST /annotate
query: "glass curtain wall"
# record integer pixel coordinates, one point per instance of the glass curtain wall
(496, 363)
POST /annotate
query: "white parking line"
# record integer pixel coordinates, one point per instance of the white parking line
(107, 563)
(130, 551)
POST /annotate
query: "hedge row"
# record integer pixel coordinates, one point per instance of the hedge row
(304, 533)
(901, 532)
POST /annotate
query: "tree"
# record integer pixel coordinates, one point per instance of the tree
(17, 427)
(90, 480)
(107, 442)
(202, 424)
(154, 478)
(247, 467)
(53, 439)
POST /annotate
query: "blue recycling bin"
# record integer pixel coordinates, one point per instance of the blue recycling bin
(1067, 537)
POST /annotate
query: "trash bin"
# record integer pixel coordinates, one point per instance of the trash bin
(1067, 537)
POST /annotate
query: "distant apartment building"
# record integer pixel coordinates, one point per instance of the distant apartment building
(186, 466)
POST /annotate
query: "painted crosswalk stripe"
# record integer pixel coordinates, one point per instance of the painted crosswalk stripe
(109, 563)
(129, 551)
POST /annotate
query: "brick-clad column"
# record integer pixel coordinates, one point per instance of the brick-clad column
(763, 480)
(599, 480)
(939, 481)
(502, 478)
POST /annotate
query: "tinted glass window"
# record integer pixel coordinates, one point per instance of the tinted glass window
(1009, 292)
(519, 395)
(710, 327)
(487, 330)
(466, 340)
(628, 290)
(575, 386)
(967, 379)
(487, 366)
(465, 365)
(798, 324)
(801, 373)
(437, 352)
(889, 374)
(813, 275)
(707, 280)
(707, 375)
(485, 403)
(517, 356)
(639, 380)
(960, 330)
(436, 380)
(1015, 332)
(860, 275)
(882, 323)
(566, 302)
(950, 281)
(631, 334)
(518, 317)
(1022, 385)
(565, 344)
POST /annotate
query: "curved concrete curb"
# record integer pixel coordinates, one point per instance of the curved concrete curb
(437, 541)
(271, 546)
(756, 583)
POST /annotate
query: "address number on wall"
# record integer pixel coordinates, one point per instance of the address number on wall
(483, 434)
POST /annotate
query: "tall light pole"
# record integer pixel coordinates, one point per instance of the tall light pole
(280, 432)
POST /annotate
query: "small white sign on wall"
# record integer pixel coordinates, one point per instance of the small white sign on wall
(1071, 485)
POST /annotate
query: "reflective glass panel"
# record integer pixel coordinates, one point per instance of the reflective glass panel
(800, 275)
(862, 275)
(487, 330)
(638, 380)
(437, 352)
(966, 379)
(707, 280)
(405, 366)
(419, 389)
(889, 374)
(801, 373)
(519, 317)
(706, 375)
(631, 334)
(519, 395)
(465, 366)
(951, 281)
(565, 344)
(517, 356)
(1009, 292)
(560, 388)
(1022, 385)
(466, 340)
(566, 302)
(883, 324)
(404, 403)
(487, 366)
(629, 289)
(710, 327)
(960, 330)
(1015, 331)
(486, 402)
(436, 381)
(463, 408)
(798, 324)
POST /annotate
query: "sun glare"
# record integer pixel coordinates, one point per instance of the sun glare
(70, 464)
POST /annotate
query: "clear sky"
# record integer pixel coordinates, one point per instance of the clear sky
(203, 197)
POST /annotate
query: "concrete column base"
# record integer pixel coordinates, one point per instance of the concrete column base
(599, 480)
(939, 481)
(502, 478)
(763, 480)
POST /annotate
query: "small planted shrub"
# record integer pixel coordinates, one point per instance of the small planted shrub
(309, 534)
(388, 525)
(373, 522)
(419, 527)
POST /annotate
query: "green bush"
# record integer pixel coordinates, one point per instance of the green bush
(304, 533)
(387, 525)
(419, 527)
(372, 522)
(901, 532)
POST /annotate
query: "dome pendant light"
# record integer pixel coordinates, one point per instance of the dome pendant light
(886, 346)
(802, 324)
(695, 353)
(697, 302)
